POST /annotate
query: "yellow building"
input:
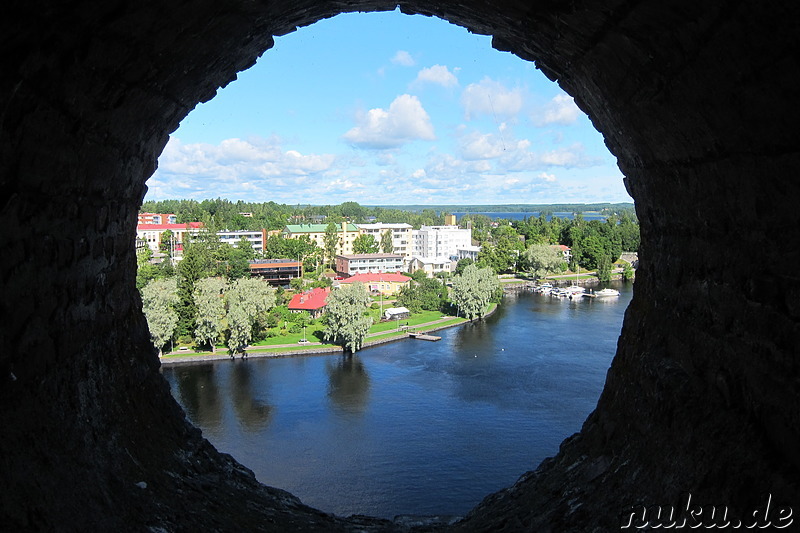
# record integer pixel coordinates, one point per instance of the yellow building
(388, 283)
(347, 233)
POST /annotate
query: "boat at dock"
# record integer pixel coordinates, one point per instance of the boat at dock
(607, 292)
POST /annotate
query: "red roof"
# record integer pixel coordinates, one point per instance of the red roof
(163, 227)
(395, 277)
(310, 300)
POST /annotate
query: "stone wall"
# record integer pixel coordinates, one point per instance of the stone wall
(696, 100)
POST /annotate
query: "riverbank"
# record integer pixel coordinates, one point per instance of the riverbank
(317, 348)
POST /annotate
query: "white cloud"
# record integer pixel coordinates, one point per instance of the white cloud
(403, 59)
(560, 110)
(405, 121)
(544, 176)
(438, 75)
(232, 167)
(492, 98)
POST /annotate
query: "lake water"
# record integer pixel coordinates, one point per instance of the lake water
(412, 427)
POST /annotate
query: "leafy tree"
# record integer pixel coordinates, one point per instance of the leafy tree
(166, 244)
(346, 324)
(543, 260)
(247, 301)
(158, 303)
(209, 298)
(365, 244)
(429, 294)
(473, 290)
(387, 246)
(604, 268)
(627, 272)
(462, 264)
(330, 240)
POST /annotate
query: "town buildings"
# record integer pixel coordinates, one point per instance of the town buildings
(402, 238)
(346, 234)
(278, 272)
(349, 265)
(257, 239)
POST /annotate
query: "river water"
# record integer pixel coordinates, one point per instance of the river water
(412, 427)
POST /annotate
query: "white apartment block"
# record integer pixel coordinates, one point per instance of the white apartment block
(350, 265)
(441, 241)
(402, 239)
(257, 238)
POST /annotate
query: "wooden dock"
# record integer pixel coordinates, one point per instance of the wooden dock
(423, 336)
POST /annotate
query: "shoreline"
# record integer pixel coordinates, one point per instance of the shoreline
(321, 350)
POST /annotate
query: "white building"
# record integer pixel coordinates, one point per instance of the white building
(432, 265)
(470, 252)
(350, 265)
(441, 241)
(257, 238)
(402, 239)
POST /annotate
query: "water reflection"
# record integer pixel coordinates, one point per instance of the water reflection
(348, 384)
(198, 393)
(253, 414)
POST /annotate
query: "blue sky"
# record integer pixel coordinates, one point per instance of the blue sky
(388, 109)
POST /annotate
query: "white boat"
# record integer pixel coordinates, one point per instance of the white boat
(606, 293)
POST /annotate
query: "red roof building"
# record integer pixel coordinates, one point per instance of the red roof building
(313, 301)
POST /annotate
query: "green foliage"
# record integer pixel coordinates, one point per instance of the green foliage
(418, 275)
(428, 294)
(462, 264)
(543, 260)
(365, 244)
(627, 272)
(211, 315)
(247, 302)
(346, 324)
(473, 290)
(387, 246)
(159, 298)
(604, 268)
(331, 240)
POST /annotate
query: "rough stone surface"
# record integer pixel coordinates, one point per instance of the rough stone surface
(697, 100)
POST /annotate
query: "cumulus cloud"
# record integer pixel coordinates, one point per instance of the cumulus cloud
(405, 121)
(438, 75)
(403, 59)
(490, 97)
(544, 176)
(560, 110)
(232, 167)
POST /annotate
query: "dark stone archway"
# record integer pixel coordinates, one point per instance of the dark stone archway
(696, 100)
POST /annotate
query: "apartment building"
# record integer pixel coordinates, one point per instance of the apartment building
(257, 238)
(152, 234)
(402, 239)
(440, 241)
(346, 232)
(349, 265)
(157, 218)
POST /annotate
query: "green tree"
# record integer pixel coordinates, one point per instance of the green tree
(543, 260)
(627, 272)
(247, 302)
(158, 303)
(330, 240)
(473, 290)
(428, 294)
(462, 264)
(209, 296)
(346, 324)
(604, 268)
(365, 244)
(387, 246)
